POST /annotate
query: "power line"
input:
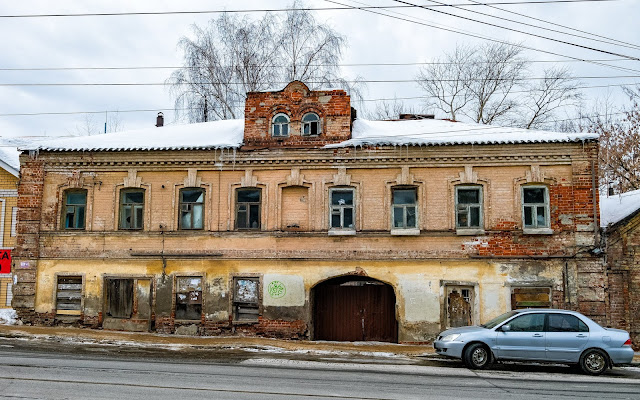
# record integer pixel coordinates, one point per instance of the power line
(549, 22)
(381, 64)
(520, 31)
(608, 41)
(241, 103)
(307, 82)
(479, 36)
(258, 10)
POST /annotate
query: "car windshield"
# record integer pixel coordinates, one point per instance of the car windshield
(498, 320)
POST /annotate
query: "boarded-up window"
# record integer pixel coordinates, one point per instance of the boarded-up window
(530, 297)
(119, 298)
(246, 300)
(295, 208)
(459, 306)
(69, 293)
(188, 298)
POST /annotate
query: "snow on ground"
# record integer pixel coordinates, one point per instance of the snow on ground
(616, 208)
(8, 316)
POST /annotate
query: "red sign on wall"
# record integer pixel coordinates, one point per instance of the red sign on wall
(5, 261)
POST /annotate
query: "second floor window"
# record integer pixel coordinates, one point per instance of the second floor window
(535, 207)
(468, 207)
(131, 209)
(310, 124)
(404, 208)
(248, 209)
(342, 209)
(191, 208)
(75, 205)
(280, 126)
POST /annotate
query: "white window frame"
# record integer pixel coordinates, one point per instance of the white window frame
(470, 230)
(303, 124)
(536, 229)
(342, 230)
(273, 125)
(404, 231)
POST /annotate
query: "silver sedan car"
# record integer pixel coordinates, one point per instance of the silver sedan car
(538, 335)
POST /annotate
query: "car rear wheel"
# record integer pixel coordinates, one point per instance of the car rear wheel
(594, 362)
(477, 356)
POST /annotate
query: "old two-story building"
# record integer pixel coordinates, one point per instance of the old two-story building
(302, 221)
(9, 171)
(620, 221)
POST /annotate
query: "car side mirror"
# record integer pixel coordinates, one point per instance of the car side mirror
(505, 328)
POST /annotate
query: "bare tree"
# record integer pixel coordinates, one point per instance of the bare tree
(619, 155)
(557, 89)
(486, 85)
(92, 125)
(232, 56)
(389, 110)
(446, 81)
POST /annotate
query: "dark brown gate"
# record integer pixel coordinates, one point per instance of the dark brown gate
(355, 308)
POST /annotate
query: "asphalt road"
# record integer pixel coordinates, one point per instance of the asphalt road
(40, 374)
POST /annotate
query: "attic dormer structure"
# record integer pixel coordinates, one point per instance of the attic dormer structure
(296, 117)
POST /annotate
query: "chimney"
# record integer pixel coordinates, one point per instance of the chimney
(160, 120)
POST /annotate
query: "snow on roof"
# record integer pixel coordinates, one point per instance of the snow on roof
(9, 153)
(205, 135)
(229, 134)
(443, 132)
(614, 209)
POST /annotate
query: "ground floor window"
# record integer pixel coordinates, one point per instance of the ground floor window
(246, 298)
(188, 297)
(530, 297)
(459, 302)
(119, 297)
(69, 293)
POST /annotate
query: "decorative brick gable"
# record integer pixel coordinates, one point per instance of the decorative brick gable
(332, 106)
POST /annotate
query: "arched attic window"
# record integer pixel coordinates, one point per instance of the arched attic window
(280, 126)
(310, 124)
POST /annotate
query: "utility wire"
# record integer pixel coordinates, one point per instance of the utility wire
(307, 82)
(241, 103)
(608, 41)
(519, 31)
(381, 64)
(479, 36)
(490, 5)
(257, 10)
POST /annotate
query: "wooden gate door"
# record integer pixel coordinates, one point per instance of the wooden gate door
(351, 309)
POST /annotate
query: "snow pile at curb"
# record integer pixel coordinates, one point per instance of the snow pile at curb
(8, 316)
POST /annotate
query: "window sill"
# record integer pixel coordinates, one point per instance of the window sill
(68, 312)
(405, 232)
(537, 231)
(469, 232)
(342, 232)
(244, 322)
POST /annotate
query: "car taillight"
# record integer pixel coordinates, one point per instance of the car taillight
(627, 343)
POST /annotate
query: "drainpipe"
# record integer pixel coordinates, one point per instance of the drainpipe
(596, 222)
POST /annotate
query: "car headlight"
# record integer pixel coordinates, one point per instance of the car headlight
(451, 338)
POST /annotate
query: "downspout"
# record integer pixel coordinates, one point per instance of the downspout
(594, 191)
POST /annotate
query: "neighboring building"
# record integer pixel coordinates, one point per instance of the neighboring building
(9, 171)
(301, 221)
(620, 220)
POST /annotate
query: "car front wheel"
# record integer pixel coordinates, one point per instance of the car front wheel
(594, 362)
(477, 356)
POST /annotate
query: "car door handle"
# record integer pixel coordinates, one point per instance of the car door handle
(581, 336)
(537, 335)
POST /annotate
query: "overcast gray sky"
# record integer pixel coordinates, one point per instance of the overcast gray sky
(150, 41)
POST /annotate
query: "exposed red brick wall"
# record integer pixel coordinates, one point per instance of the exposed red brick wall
(332, 106)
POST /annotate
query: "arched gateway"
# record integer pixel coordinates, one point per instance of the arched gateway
(354, 308)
